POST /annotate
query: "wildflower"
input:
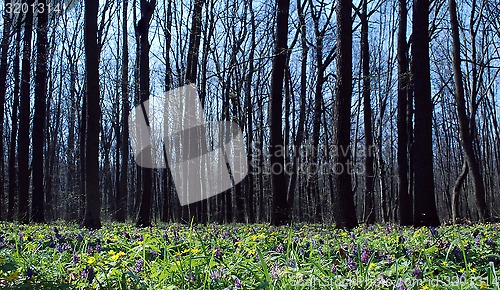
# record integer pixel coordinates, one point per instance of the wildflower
(425, 287)
(365, 255)
(417, 273)
(138, 265)
(334, 269)
(237, 283)
(444, 263)
(274, 272)
(279, 248)
(191, 277)
(483, 285)
(88, 274)
(91, 260)
(195, 251)
(400, 285)
(75, 258)
(473, 270)
(372, 265)
(214, 276)
(217, 253)
(351, 264)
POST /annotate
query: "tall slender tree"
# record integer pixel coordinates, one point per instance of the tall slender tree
(122, 193)
(367, 117)
(464, 121)
(38, 195)
(4, 48)
(24, 119)
(405, 208)
(425, 201)
(342, 195)
(92, 217)
(280, 204)
(147, 9)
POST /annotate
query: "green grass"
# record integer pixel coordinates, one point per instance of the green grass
(175, 256)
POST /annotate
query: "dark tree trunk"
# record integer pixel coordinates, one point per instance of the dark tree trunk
(122, 193)
(405, 208)
(249, 106)
(463, 120)
(24, 120)
(4, 47)
(14, 131)
(167, 178)
(342, 195)
(425, 201)
(367, 118)
(38, 196)
(147, 9)
(92, 217)
(280, 205)
(303, 95)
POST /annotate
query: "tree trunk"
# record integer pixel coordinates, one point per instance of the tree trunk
(12, 146)
(38, 196)
(463, 120)
(122, 194)
(280, 205)
(405, 208)
(342, 196)
(369, 214)
(425, 201)
(92, 219)
(4, 47)
(147, 9)
(24, 120)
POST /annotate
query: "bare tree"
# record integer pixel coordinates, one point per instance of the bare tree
(280, 210)
(92, 217)
(342, 195)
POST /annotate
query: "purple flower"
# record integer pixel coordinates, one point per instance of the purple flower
(400, 285)
(214, 276)
(434, 232)
(351, 264)
(218, 253)
(191, 277)
(138, 265)
(279, 248)
(477, 241)
(417, 273)
(334, 269)
(88, 274)
(274, 272)
(490, 242)
(237, 283)
(75, 258)
(365, 255)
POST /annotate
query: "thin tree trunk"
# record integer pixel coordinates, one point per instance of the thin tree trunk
(369, 214)
(147, 9)
(280, 205)
(24, 120)
(92, 217)
(38, 196)
(405, 208)
(122, 194)
(463, 120)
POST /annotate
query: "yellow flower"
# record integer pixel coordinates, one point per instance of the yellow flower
(91, 260)
(473, 270)
(195, 251)
(425, 287)
(372, 265)
(444, 263)
(238, 243)
(185, 251)
(111, 252)
(483, 285)
(461, 270)
(251, 252)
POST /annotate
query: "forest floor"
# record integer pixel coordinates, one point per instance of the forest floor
(302, 256)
